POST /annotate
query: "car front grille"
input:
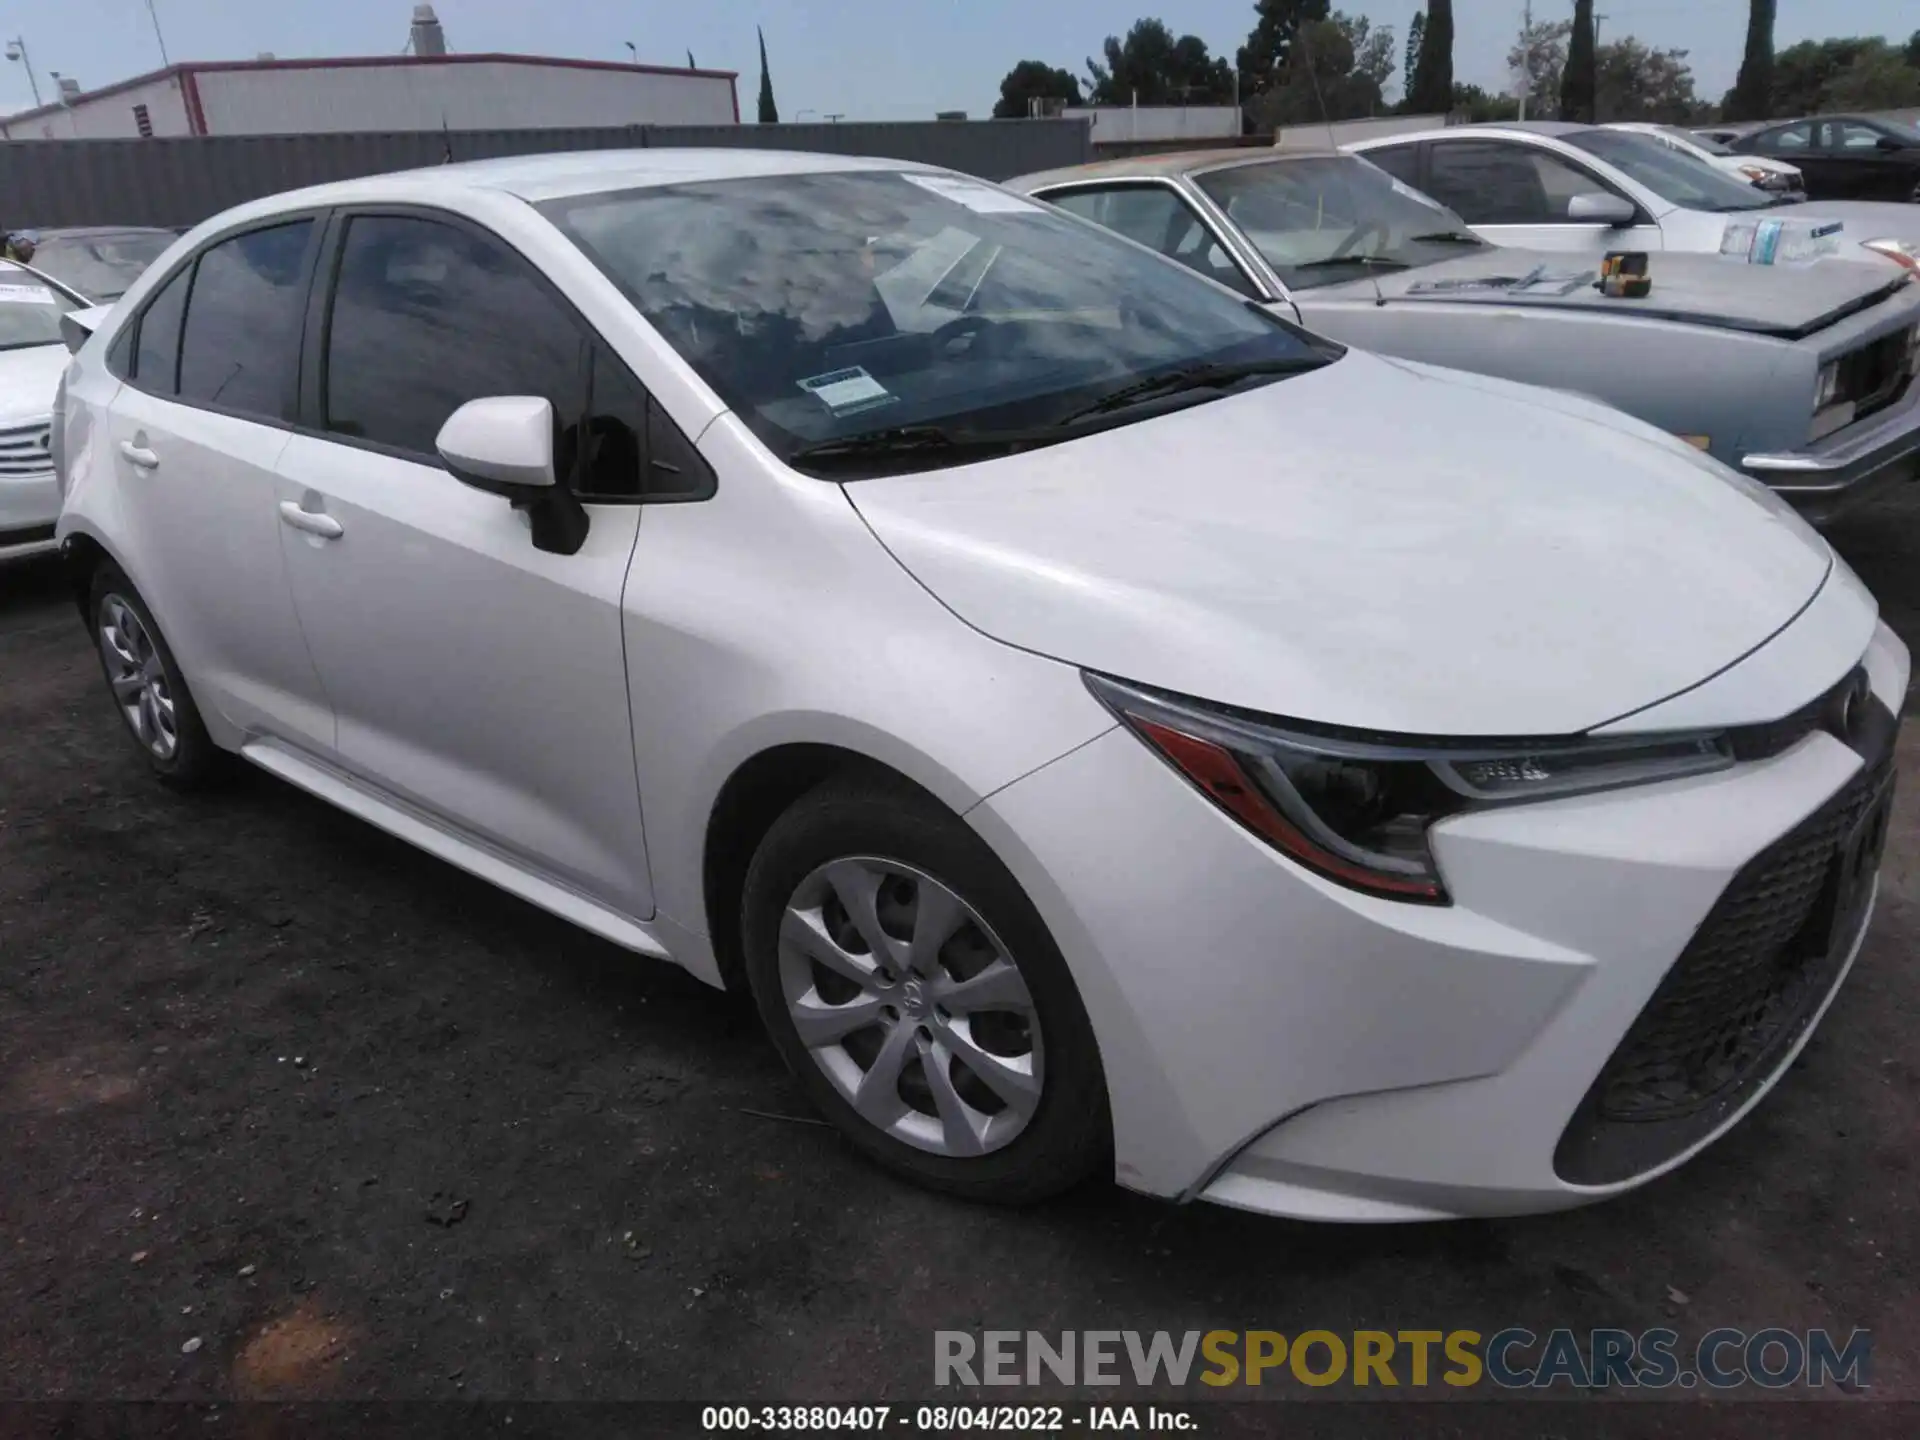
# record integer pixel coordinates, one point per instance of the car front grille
(1744, 990)
(1876, 375)
(26, 449)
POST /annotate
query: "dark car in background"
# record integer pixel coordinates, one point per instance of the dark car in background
(1844, 157)
(99, 261)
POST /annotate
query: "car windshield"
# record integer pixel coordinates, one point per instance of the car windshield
(1328, 219)
(1687, 140)
(101, 267)
(827, 307)
(30, 310)
(1681, 180)
(1901, 130)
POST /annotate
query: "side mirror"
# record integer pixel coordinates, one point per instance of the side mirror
(77, 325)
(1600, 208)
(504, 445)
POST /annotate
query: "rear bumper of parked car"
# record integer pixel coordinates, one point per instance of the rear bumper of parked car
(1846, 467)
(1281, 1044)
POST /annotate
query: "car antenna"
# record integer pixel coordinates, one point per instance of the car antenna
(1326, 119)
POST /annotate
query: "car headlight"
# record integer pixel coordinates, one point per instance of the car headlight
(1901, 252)
(1357, 809)
(1758, 174)
(1827, 390)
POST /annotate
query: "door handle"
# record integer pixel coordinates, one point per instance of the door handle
(139, 455)
(314, 523)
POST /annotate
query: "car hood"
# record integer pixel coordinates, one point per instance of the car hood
(1864, 219)
(1376, 544)
(1785, 301)
(28, 379)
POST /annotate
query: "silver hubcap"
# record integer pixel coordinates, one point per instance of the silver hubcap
(911, 1006)
(139, 680)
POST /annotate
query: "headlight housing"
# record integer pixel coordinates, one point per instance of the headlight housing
(1357, 809)
(1902, 252)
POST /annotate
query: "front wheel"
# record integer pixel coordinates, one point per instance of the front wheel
(914, 990)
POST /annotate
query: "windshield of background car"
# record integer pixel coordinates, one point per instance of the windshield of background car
(1307, 216)
(100, 267)
(826, 306)
(30, 311)
(1676, 178)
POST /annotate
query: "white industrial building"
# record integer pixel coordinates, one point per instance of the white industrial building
(1133, 124)
(428, 89)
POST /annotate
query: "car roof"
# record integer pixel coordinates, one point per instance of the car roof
(92, 232)
(1178, 162)
(576, 172)
(1552, 129)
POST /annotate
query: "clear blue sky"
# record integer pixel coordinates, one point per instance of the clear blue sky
(871, 59)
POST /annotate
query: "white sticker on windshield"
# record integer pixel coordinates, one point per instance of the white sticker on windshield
(25, 295)
(977, 196)
(845, 391)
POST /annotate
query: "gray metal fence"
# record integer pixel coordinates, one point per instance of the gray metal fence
(48, 183)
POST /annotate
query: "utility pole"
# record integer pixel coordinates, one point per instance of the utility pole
(17, 50)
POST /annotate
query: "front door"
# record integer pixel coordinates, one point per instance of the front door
(474, 677)
(1515, 194)
(194, 435)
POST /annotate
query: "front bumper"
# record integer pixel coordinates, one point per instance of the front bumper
(1846, 467)
(29, 506)
(1278, 1043)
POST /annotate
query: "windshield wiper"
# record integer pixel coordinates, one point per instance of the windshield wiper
(908, 440)
(1450, 237)
(1385, 262)
(1191, 377)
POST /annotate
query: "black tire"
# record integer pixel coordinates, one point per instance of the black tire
(1068, 1136)
(193, 760)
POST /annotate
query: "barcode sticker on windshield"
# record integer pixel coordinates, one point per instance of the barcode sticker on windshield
(981, 198)
(844, 391)
(25, 295)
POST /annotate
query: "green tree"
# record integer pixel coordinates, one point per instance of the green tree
(1878, 79)
(1416, 32)
(1476, 106)
(1337, 70)
(1150, 67)
(1802, 73)
(1579, 82)
(1753, 95)
(1637, 82)
(1539, 58)
(1430, 86)
(769, 112)
(1262, 61)
(1033, 80)
(1913, 50)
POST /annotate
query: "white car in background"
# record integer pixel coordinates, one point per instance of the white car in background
(1776, 177)
(33, 354)
(1551, 185)
(1108, 728)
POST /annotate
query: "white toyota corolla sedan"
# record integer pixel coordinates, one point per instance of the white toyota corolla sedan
(1101, 725)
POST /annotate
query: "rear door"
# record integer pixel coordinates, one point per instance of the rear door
(193, 435)
(475, 677)
(1801, 145)
(1516, 194)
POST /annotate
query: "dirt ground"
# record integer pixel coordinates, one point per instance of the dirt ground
(289, 1109)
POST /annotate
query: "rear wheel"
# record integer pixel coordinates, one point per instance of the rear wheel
(917, 995)
(146, 684)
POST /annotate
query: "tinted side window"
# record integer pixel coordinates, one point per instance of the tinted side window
(1791, 139)
(427, 316)
(242, 331)
(1400, 161)
(1159, 219)
(156, 358)
(1489, 183)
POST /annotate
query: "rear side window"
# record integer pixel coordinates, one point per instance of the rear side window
(427, 316)
(156, 359)
(241, 336)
